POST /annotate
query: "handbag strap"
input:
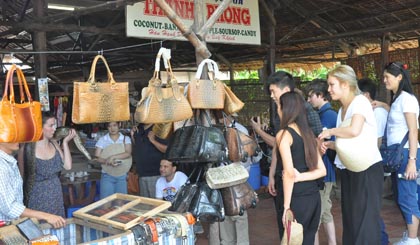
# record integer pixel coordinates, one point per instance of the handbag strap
(289, 218)
(23, 86)
(211, 66)
(9, 83)
(385, 138)
(92, 79)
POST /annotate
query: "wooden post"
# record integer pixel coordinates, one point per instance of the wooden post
(199, 46)
(383, 94)
(40, 44)
(272, 66)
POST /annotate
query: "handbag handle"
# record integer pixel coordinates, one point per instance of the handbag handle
(92, 79)
(289, 218)
(211, 66)
(22, 85)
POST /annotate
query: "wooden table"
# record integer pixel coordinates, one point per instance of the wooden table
(77, 188)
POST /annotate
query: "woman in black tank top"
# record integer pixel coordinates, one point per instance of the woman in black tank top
(299, 165)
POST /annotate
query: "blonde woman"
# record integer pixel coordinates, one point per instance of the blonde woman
(361, 191)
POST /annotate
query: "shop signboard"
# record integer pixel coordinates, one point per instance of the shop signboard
(239, 23)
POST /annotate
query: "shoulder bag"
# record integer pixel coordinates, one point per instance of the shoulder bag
(357, 153)
(160, 104)
(392, 156)
(207, 93)
(95, 102)
(19, 122)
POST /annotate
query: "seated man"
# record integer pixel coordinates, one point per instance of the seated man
(170, 181)
(11, 190)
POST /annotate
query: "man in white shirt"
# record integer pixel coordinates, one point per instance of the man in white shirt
(170, 181)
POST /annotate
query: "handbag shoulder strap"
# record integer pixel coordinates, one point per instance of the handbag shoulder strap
(92, 79)
(9, 83)
(23, 87)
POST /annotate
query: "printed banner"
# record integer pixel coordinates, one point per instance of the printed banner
(43, 94)
(239, 23)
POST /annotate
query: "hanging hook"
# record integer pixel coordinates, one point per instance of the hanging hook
(161, 43)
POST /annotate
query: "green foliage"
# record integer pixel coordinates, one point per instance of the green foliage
(320, 73)
(245, 74)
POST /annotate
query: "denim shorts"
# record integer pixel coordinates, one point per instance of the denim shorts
(407, 191)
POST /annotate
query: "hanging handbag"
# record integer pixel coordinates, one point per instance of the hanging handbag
(160, 104)
(95, 102)
(232, 102)
(186, 193)
(207, 205)
(293, 232)
(163, 130)
(207, 93)
(392, 156)
(240, 145)
(238, 198)
(197, 143)
(19, 122)
(226, 175)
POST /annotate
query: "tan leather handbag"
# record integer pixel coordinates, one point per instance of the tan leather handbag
(163, 130)
(95, 102)
(160, 104)
(232, 102)
(207, 93)
(19, 122)
(293, 232)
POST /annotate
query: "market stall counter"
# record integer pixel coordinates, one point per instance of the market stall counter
(117, 219)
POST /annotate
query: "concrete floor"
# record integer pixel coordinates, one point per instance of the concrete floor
(263, 225)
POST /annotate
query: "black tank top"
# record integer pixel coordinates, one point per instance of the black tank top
(298, 156)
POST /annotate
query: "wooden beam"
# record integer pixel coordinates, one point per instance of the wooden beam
(15, 40)
(268, 12)
(23, 10)
(401, 27)
(294, 31)
(37, 26)
(213, 18)
(188, 33)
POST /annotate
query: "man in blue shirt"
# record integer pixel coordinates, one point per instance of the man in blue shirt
(319, 98)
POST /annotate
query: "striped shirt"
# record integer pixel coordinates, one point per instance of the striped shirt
(11, 190)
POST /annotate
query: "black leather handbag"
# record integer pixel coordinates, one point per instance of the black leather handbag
(197, 143)
(185, 194)
(207, 204)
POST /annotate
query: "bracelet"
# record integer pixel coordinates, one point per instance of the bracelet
(412, 158)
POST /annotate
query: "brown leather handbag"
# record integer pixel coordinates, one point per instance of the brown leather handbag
(207, 93)
(238, 198)
(240, 145)
(161, 104)
(19, 122)
(95, 102)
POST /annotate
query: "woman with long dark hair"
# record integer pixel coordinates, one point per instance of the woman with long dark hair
(403, 118)
(301, 164)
